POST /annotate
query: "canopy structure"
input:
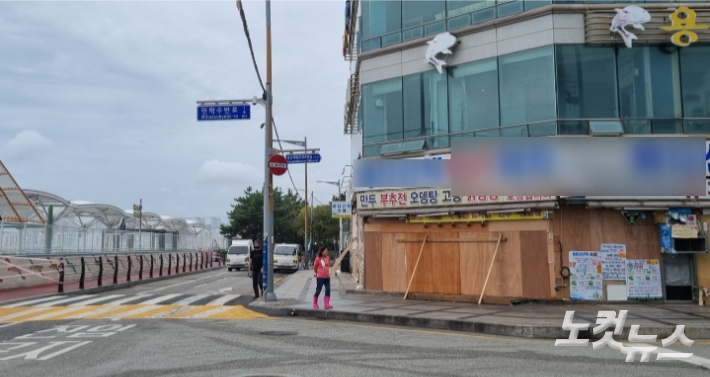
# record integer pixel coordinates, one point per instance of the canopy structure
(15, 206)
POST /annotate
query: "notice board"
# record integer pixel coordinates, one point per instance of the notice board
(613, 261)
(643, 279)
(586, 278)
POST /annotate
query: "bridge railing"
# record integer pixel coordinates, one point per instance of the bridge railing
(82, 270)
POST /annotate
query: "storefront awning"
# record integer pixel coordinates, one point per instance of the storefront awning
(453, 209)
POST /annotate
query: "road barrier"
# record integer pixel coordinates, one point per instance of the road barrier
(37, 270)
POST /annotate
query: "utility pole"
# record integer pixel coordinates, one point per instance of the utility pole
(268, 177)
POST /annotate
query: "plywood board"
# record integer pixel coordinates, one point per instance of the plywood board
(501, 226)
(643, 240)
(534, 266)
(394, 277)
(445, 265)
(506, 277)
(432, 229)
(574, 230)
(423, 279)
(373, 261)
(473, 258)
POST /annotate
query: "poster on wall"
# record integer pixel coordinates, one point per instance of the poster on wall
(586, 278)
(643, 279)
(613, 261)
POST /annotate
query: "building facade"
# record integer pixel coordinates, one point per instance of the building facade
(526, 69)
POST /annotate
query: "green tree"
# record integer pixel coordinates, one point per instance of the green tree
(322, 227)
(246, 219)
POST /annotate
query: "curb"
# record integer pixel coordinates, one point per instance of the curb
(112, 287)
(542, 331)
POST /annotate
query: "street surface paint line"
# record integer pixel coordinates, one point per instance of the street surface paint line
(133, 311)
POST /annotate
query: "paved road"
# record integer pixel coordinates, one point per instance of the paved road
(202, 347)
(179, 328)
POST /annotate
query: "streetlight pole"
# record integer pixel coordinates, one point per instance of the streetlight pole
(268, 177)
(340, 235)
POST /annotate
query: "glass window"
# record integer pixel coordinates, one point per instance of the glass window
(649, 82)
(543, 129)
(473, 95)
(415, 13)
(380, 17)
(518, 131)
(382, 111)
(425, 111)
(458, 7)
(527, 86)
(696, 81)
(586, 81)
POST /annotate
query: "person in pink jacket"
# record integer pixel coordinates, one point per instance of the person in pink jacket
(321, 266)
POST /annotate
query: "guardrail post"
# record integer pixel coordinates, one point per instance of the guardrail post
(177, 263)
(115, 270)
(129, 268)
(170, 264)
(184, 262)
(83, 274)
(140, 271)
(101, 271)
(151, 266)
(197, 261)
(211, 259)
(160, 272)
(61, 277)
(190, 261)
(202, 261)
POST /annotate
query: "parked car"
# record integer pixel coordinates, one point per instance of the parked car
(286, 257)
(238, 254)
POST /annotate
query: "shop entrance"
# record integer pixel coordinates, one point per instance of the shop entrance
(677, 269)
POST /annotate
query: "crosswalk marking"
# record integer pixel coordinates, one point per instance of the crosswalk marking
(129, 311)
(223, 300)
(160, 299)
(31, 302)
(65, 300)
(190, 299)
(95, 300)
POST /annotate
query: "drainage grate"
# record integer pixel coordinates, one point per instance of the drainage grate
(278, 333)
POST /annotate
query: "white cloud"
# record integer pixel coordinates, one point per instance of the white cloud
(25, 144)
(228, 173)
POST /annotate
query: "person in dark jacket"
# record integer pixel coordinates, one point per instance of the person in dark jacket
(256, 268)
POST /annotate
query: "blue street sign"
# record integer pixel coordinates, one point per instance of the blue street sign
(223, 112)
(303, 158)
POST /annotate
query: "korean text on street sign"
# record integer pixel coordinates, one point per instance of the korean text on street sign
(342, 210)
(223, 112)
(607, 318)
(303, 158)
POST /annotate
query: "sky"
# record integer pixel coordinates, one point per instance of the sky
(98, 99)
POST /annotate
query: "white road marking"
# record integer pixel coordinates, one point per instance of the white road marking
(66, 300)
(135, 311)
(228, 289)
(30, 302)
(97, 299)
(10, 324)
(24, 312)
(56, 313)
(160, 299)
(223, 300)
(210, 312)
(190, 299)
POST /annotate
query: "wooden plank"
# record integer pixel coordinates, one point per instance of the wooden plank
(342, 255)
(431, 229)
(373, 261)
(483, 291)
(394, 265)
(450, 240)
(414, 272)
(513, 225)
(445, 266)
(535, 269)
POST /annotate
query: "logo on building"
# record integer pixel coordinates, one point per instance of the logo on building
(682, 22)
(441, 44)
(631, 15)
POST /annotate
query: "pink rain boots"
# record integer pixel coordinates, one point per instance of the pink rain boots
(327, 302)
(315, 302)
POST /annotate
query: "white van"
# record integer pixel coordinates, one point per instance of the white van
(238, 254)
(286, 256)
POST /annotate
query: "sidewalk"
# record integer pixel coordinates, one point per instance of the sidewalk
(543, 321)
